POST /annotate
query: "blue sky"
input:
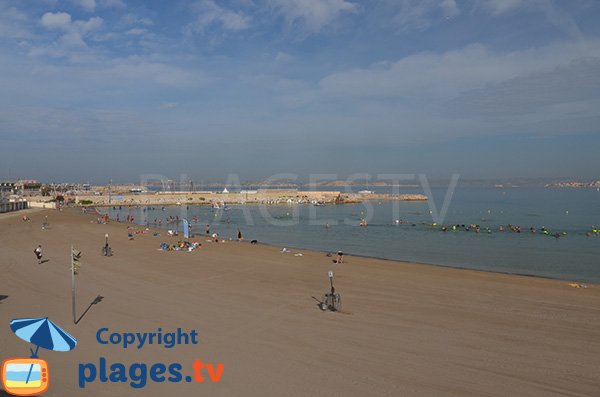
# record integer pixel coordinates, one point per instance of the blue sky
(99, 89)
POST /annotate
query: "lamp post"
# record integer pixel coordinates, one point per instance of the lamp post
(106, 250)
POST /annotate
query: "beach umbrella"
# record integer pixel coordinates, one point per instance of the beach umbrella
(43, 333)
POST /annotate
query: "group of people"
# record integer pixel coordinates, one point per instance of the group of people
(102, 219)
(510, 228)
(181, 246)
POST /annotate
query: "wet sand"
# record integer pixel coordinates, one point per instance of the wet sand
(405, 329)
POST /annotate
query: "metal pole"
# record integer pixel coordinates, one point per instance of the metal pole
(73, 285)
(331, 281)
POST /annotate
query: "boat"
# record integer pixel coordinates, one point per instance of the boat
(366, 192)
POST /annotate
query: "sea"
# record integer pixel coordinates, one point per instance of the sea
(412, 230)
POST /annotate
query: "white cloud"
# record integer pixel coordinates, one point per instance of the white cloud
(552, 12)
(58, 20)
(87, 5)
(443, 76)
(497, 7)
(310, 16)
(112, 3)
(420, 14)
(283, 57)
(131, 19)
(577, 82)
(137, 31)
(135, 70)
(168, 105)
(72, 36)
(62, 21)
(89, 25)
(72, 40)
(12, 22)
(209, 13)
(450, 8)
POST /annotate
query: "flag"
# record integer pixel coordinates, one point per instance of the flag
(186, 228)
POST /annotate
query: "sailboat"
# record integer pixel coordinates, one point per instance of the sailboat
(366, 191)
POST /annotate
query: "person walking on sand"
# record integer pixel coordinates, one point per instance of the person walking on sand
(340, 257)
(240, 237)
(38, 254)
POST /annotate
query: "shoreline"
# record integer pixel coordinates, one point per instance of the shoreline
(399, 261)
(435, 265)
(75, 211)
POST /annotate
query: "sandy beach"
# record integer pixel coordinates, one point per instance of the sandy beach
(405, 329)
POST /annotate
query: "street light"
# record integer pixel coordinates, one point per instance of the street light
(106, 250)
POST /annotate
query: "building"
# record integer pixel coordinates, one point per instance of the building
(29, 187)
(7, 188)
(9, 200)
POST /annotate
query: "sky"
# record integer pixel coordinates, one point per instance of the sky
(93, 90)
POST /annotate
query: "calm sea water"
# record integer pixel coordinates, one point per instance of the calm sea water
(571, 212)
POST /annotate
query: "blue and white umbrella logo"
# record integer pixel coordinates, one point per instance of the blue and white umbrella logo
(43, 333)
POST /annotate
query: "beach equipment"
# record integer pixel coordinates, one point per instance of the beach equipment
(332, 300)
(186, 228)
(42, 332)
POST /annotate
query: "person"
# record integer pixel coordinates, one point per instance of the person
(340, 257)
(240, 237)
(38, 253)
(208, 230)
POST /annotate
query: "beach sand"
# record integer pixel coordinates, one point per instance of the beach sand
(405, 329)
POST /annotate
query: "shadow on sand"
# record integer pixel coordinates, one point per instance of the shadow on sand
(97, 300)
